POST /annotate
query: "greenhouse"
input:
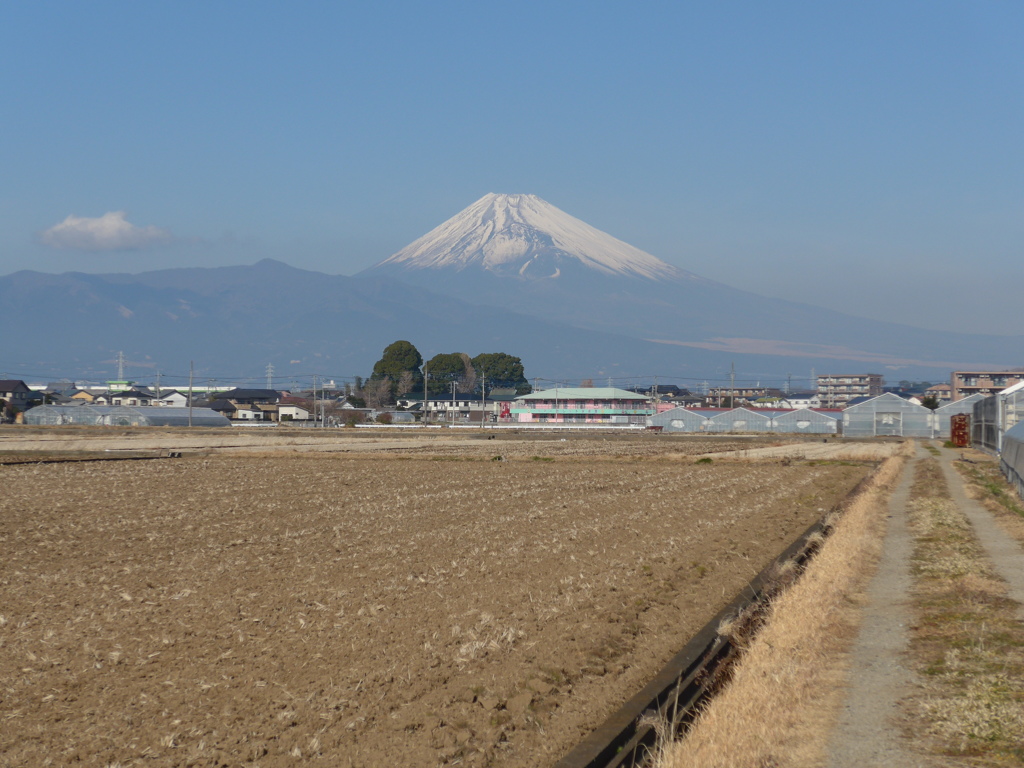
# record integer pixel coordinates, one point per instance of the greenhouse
(740, 420)
(678, 420)
(888, 415)
(1011, 459)
(123, 416)
(944, 413)
(807, 422)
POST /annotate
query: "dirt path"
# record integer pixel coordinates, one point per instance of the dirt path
(866, 734)
(1006, 554)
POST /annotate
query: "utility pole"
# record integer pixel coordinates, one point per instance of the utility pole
(732, 385)
(483, 395)
(120, 366)
(158, 385)
(424, 395)
(315, 418)
(190, 393)
(453, 403)
(270, 375)
(789, 382)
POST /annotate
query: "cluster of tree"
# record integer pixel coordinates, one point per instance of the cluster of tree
(401, 371)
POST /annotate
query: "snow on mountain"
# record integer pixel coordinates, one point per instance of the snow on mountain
(524, 236)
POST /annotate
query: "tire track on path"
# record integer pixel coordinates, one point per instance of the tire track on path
(1003, 550)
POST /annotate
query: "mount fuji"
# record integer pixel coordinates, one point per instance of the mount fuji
(520, 253)
(524, 237)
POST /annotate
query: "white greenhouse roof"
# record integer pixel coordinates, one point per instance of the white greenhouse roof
(124, 415)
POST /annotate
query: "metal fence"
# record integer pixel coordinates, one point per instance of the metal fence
(1011, 459)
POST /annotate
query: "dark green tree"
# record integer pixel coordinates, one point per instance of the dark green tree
(399, 357)
(501, 370)
(443, 369)
(931, 402)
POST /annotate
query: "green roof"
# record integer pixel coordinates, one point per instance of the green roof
(583, 393)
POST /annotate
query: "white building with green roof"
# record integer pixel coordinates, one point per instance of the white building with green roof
(582, 405)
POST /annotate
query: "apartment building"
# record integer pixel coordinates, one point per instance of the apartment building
(835, 390)
(966, 383)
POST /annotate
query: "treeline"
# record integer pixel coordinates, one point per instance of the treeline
(401, 372)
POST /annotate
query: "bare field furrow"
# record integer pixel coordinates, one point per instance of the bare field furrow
(410, 610)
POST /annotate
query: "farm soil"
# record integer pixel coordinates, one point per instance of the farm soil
(366, 609)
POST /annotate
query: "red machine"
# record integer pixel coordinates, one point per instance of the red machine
(960, 430)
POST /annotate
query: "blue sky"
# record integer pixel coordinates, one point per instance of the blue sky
(864, 156)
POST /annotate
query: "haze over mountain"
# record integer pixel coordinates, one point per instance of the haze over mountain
(511, 273)
(522, 253)
(233, 321)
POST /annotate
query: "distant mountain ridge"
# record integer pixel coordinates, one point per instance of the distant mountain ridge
(233, 321)
(519, 252)
(511, 273)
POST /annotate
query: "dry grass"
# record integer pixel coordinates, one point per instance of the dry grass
(968, 642)
(792, 669)
(986, 484)
(812, 450)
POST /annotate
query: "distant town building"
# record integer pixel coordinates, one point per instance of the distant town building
(800, 400)
(836, 390)
(582, 405)
(15, 393)
(719, 396)
(967, 383)
(941, 392)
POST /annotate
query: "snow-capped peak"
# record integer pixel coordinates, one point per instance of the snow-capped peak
(525, 236)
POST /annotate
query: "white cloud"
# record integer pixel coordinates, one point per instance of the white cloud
(109, 232)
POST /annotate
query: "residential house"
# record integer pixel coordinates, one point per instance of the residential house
(799, 400)
(294, 411)
(131, 397)
(941, 392)
(16, 393)
(252, 396)
(719, 396)
(172, 398)
(462, 406)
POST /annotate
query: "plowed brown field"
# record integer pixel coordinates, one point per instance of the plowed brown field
(369, 608)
